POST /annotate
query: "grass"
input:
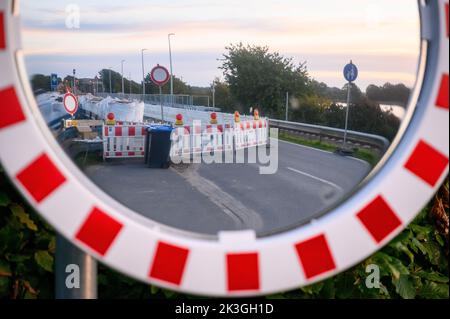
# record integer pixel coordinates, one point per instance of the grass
(369, 156)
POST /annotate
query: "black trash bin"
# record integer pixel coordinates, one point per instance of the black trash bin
(157, 146)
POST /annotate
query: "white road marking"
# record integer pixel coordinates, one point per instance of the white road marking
(326, 152)
(316, 178)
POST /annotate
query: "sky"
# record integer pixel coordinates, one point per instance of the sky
(380, 36)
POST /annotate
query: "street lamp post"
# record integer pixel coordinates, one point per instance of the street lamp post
(110, 81)
(287, 106)
(123, 87)
(129, 78)
(214, 94)
(143, 74)
(171, 68)
(73, 86)
(350, 74)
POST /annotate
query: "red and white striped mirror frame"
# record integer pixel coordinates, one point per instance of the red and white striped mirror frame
(237, 263)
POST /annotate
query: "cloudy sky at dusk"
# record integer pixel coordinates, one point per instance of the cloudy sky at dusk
(381, 36)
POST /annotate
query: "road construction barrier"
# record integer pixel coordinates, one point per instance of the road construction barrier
(239, 136)
(127, 140)
(197, 139)
(81, 123)
(228, 138)
(262, 132)
(181, 141)
(123, 141)
(213, 138)
(251, 134)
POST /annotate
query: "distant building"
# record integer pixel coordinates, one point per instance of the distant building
(88, 85)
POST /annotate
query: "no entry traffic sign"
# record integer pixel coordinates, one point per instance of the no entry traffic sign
(70, 103)
(160, 75)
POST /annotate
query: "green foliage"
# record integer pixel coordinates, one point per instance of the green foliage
(369, 156)
(41, 82)
(257, 77)
(389, 93)
(26, 249)
(414, 265)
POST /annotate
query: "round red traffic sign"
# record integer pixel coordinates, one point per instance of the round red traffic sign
(70, 103)
(160, 75)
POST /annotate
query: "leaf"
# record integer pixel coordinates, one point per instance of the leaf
(421, 231)
(345, 286)
(169, 294)
(10, 239)
(433, 276)
(24, 218)
(27, 286)
(439, 239)
(18, 258)
(5, 285)
(394, 265)
(404, 287)
(403, 248)
(431, 290)
(329, 289)
(44, 260)
(5, 269)
(52, 245)
(154, 290)
(4, 200)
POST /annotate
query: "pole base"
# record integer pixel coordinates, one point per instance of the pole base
(345, 151)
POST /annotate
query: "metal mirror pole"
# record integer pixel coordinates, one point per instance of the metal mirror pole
(161, 102)
(75, 272)
(346, 114)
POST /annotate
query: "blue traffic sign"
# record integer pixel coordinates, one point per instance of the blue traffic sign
(350, 72)
(54, 82)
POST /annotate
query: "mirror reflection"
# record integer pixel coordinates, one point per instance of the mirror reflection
(211, 116)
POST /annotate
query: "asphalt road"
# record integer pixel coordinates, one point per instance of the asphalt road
(210, 198)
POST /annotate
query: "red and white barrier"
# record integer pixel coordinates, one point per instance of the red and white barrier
(197, 139)
(262, 132)
(127, 140)
(181, 141)
(123, 141)
(228, 138)
(239, 136)
(213, 138)
(251, 134)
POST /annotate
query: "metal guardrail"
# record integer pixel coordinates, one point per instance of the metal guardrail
(375, 141)
(372, 140)
(179, 101)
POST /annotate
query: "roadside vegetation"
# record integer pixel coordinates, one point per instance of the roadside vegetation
(370, 156)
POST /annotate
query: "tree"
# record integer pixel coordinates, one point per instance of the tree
(333, 93)
(365, 116)
(108, 76)
(309, 109)
(257, 77)
(389, 93)
(40, 82)
(223, 97)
